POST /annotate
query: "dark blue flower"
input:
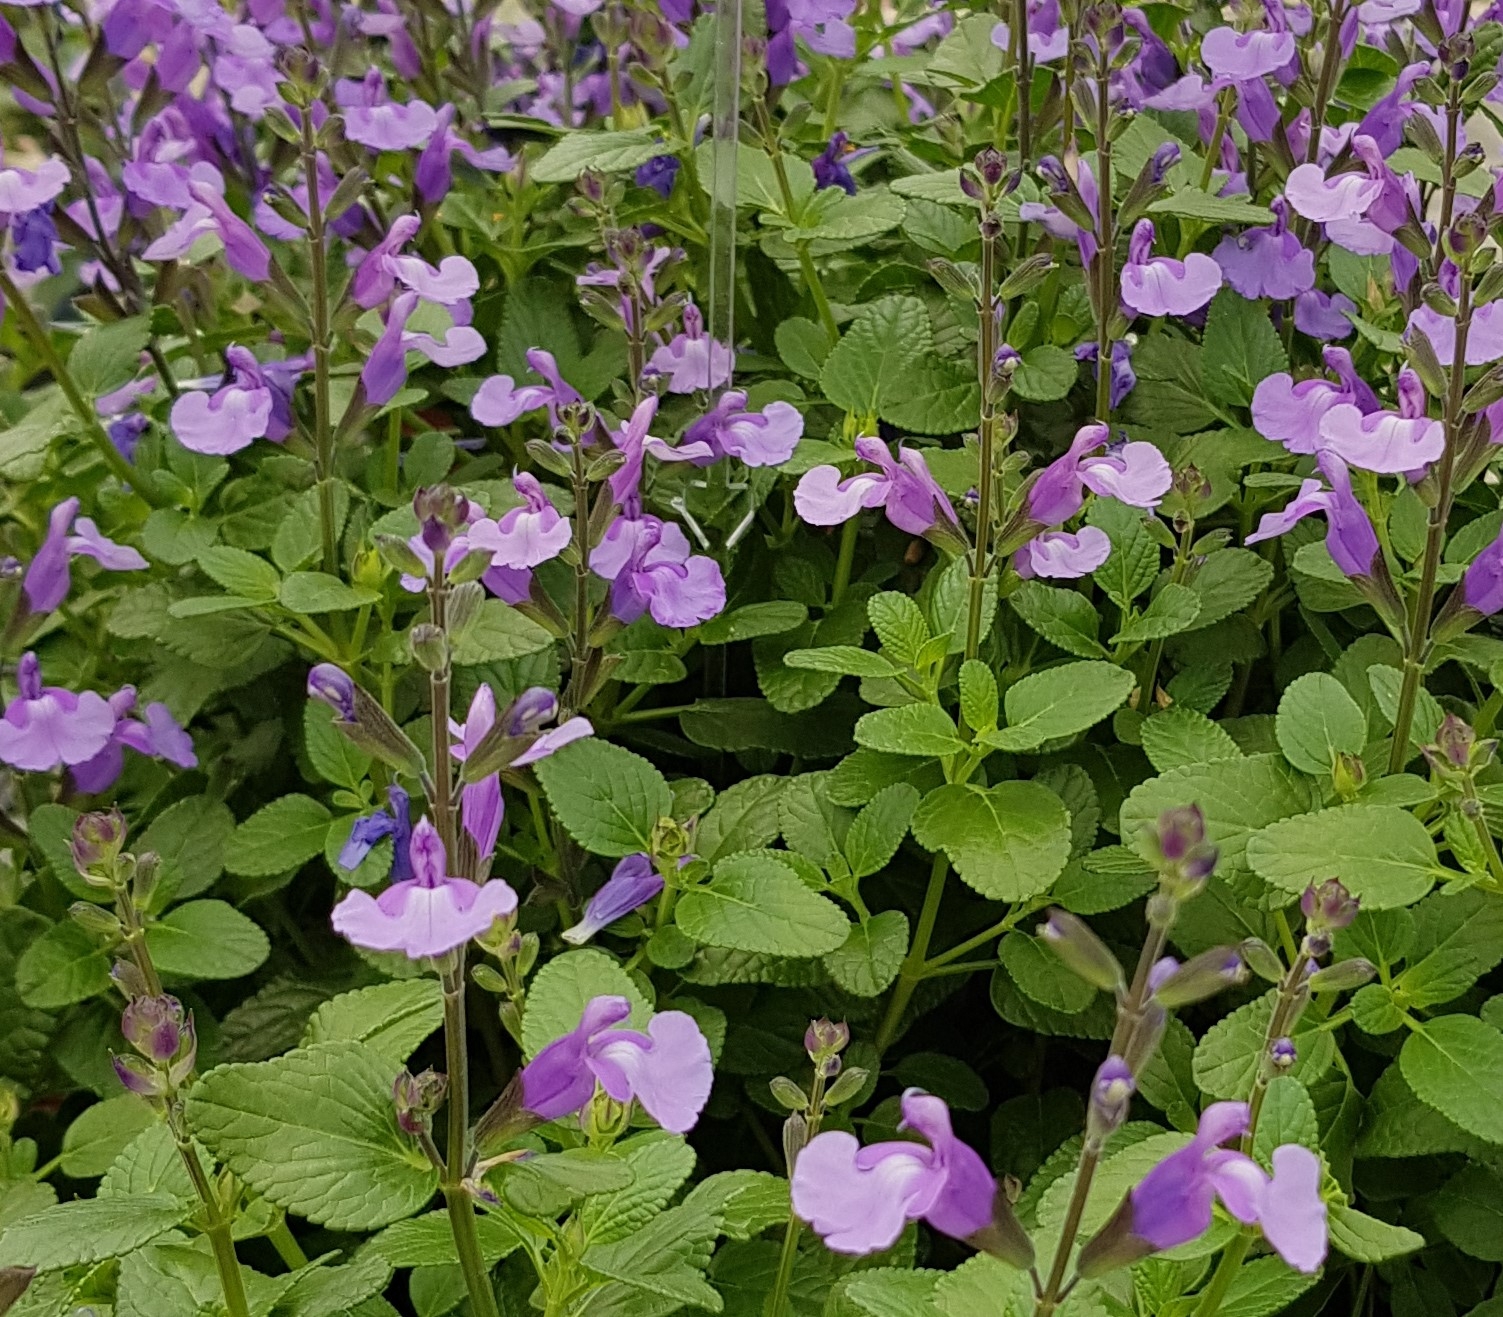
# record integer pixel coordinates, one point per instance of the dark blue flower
(829, 166)
(33, 239)
(659, 173)
(372, 828)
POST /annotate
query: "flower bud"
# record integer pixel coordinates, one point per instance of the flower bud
(416, 1098)
(154, 1027)
(591, 186)
(1282, 1054)
(1343, 977)
(991, 164)
(1327, 908)
(98, 923)
(1185, 858)
(1261, 958)
(126, 975)
(335, 687)
(1111, 1094)
(824, 1041)
(429, 647)
(398, 555)
(788, 1094)
(795, 1136)
(1348, 773)
(527, 714)
(1200, 977)
(847, 1085)
(1082, 952)
(96, 844)
(139, 1078)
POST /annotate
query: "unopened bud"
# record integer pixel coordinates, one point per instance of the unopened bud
(1282, 1054)
(991, 165)
(335, 687)
(788, 1094)
(96, 844)
(399, 555)
(1185, 858)
(670, 841)
(795, 1136)
(154, 1027)
(824, 1040)
(430, 647)
(139, 1078)
(1343, 977)
(1348, 773)
(591, 186)
(847, 1085)
(1085, 954)
(1261, 958)
(1111, 1094)
(416, 1098)
(1200, 977)
(10, 1107)
(98, 923)
(1328, 908)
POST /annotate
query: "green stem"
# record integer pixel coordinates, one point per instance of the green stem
(323, 433)
(790, 209)
(286, 1245)
(1004, 925)
(1223, 122)
(778, 1304)
(87, 415)
(217, 1225)
(986, 351)
(1226, 1272)
(1156, 650)
(844, 560)
(915, 963)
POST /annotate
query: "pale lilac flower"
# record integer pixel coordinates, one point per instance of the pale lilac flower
(46, 726)
(1267, 261)
(1350, 538)
(667, 1070)
(1241, 56)
(1061, 556)
(1386, 442)
(1290, 413)
(764, 438)
(500, 400)
(1136, 473)
(1343, 197)
(1322, 316)
(48, 577)
(439, 547)
(1161, 285)
(634, 440)
(1053, 219)
(651, 569)
(253, 401)
(524, 536)
(1484, 342)
(373, 120)
(481, 806)
(208, 213)
(1048, 37)
(911, 496)
(692, 360)
(427, 915)
(27, 189)
(395, 821)
(632, 884)
(385, 369)
(384, 268)
(858, 1200)
(155, 734)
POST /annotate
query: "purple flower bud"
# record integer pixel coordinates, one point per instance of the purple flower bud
(1344, 977)
(1328, 907)
(1085, 954)
(1281, 1054)
(1111, 1093)
(1454, 740)
(1179, 831)
(991, 164)
(154, 1027)
(527, 713)
(137, 1077)
(1202, 976)
(824, 1040)
(96, 841)
(1164, 159)
(335, 687)
(416, 1098)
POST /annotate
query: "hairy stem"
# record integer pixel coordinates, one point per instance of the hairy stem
(323, 433)
(986, 351)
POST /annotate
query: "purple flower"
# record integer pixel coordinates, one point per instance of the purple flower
(1268, 261)
(633, 439)
(383, 268)
(335, 687)
(33, 242)
(481, 805)
(208, 213)
(434, 173)
(46, 726)
(660, 173)
(1386, 442)
(499, 400)
(667, 1069)
(429, 914)
(1482, 586)
(253, 401)
(858, 1200)
(912, 498)
(1124, 378)
(1345, 197)
(829, 165)
(764, 438)
(1054, 220)
(22, 190)
(48, 577)
(821, 24)
(1290, 413)
(385, 369)
(395, 821)
(1134, 473)
(1350, 538)
(1245, 55)
(374, 121)
(156, 734)
(691, 360)
(651, 569)
(1484, 342)
(525, 536)
(1061, 556)
(1162, 286)
(1324, 317)
(439, 548)
(633, 883)
(1048, 37)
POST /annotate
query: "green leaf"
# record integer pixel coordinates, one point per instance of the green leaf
(1239, 350)
(1288, 1116)
(752, 620)
(877, 832)
(1461, 938)
(389, 1018)
(910, 729)
(1009, 842)
(1238, 797)
(1180, 736)
(206, 940)
(1045, 374)
(1385, 683)
(813, 826)
(1469, 1211)
(241, 573)
(89, 1230)
(1065, 618)
(871, 956)
(102, 1133)
(744, 1202)
(109, 355)
(1229, 1056)
(899, 624)
(1192, 203)
(191, 837)
(756, 903)
(560, 991)
(1042, 976)
(608, 799)
(875, 358)
(1134, 560)
(24, 443)
(604, 152)
(1455, 1064)
(1364, 1238)
(1316, 720)
(1382, 854)
(666, 1258)
(498, 633)
(847, 660)
(1397, 1124)
(1059, 702)
(744, 817)
(317, 592)
(549, 1184)
(660, 1163)
(427, 1241)
(803, 346)
(315, 1133)
(1174, 609)
(1229, 579)
(979, 704)
(847, 219)
(1263, 1287)
(280, 836)
(63, 966)
(335, 1291)
(149, 1164)
(334, 757)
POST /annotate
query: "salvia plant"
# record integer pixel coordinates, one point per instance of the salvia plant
(804, 658)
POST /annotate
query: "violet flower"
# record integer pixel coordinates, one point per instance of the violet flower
(912, 498)
(384, 268)
(1484, 342)
(1325, 200)
(524, 536)
(385, 369)
(372, 120)
(208, 213)
(820, 23)
(858, 1200)
(1324, 317)
(70, 536)
(253, 401)
(764, 438)
(1161, 285)
(45, 726)
(1267, 261)
(1053, 219)
(692, 360)
(1241, 56)
(427, 915)
(434, 174)
(830, 169)
(651, 569)
(1133, 473)
(667, 1069)
(395, 821)
(1124, 379)
(1290, 413)
(1386, 442)
(156, 734)
(1048, 37)
(1350, 538)
(500, 400)
(660, 173)
(34, 243)
(632, 884)
(1061, 556)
